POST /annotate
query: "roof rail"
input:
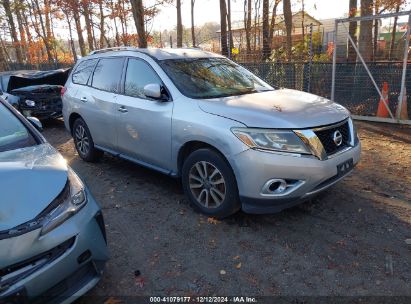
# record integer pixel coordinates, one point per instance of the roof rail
(113, 49)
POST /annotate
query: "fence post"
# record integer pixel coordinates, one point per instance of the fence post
(404, 67)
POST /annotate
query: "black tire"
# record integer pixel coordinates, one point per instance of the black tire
(207, 161)
(84, 142)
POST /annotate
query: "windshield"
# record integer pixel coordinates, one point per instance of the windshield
(13, 134)
(212, 78)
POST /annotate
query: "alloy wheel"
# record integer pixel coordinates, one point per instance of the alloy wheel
(82, 140)
(207, 184)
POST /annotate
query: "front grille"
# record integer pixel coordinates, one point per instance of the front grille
(16, 272)
(326, 137)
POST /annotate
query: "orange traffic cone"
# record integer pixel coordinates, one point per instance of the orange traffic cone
(382, 109)
(403, 115)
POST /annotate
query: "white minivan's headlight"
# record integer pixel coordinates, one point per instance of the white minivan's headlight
(75, 200)
(272, 140)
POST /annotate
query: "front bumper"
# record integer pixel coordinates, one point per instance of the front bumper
(71, 274)
(254, 168)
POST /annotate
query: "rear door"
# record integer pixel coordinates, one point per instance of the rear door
(143, 124)
(99, 101)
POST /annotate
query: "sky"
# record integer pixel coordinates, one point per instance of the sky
(209, 10)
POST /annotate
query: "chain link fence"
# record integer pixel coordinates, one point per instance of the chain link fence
(353, 87)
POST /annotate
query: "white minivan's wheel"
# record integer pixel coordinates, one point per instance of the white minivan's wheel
(84, 142)
(209, 183)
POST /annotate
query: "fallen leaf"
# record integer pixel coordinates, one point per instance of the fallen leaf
(222, 272)
(213, 221)
(408, 241)
(238, 266)
(236, 257)
(112, 300)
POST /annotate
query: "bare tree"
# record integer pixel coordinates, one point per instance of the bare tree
(179, 26)
(266, 30)
(365, 38)
(223, 23)
(138, 14)
(13, 31)
(273, 17)
(247, 24)
(193, 34)
(352, 11)
(288, 19)
(230, 33)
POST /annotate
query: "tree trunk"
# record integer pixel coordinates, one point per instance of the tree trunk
(138, 15)
(352, 11)
(272, 24)
(79, 30)
(193, 34)
(230, 33)
(247, 24)
(102, 25)
(365, 39)
(73, 49)
(44, 33)
(86, 12)
(266, 30)
(13, 31)
(22, 31)
(376, 30)
(223, 22)
(179, 26)
(288, 19)
(394, 30)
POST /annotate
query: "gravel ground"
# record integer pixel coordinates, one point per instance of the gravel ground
(351, 240)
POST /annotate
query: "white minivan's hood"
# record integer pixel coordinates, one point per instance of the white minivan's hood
(30, 179)
(282, 109)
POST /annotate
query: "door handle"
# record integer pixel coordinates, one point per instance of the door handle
(122, 109)
(83, 99)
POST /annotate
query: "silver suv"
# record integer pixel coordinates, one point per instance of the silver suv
(235, 141)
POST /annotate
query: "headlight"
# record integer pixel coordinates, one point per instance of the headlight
(273, 140)
(70, 206)
(30, 103)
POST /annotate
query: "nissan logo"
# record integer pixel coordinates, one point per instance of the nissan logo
(337, 138)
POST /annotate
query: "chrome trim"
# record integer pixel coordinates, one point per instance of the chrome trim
(311, 139)
(313, 143)
(336, 125)
(291, 187)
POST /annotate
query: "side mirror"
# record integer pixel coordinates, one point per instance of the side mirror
(153, 90)
(35, 122)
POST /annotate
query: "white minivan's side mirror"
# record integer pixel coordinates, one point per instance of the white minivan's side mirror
(152, 90)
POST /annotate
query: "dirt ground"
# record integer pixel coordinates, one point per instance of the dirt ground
(354, 239)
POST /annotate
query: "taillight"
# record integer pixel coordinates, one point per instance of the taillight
(63, 90)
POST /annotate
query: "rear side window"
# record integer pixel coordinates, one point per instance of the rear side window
(107, 74)
(83, 71)
(138, 75)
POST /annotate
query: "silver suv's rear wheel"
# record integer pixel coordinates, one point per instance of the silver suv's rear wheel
(84, 142)
(209, 183)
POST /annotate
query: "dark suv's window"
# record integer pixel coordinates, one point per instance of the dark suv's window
(138, 75)
(107, 74)
(83, 71)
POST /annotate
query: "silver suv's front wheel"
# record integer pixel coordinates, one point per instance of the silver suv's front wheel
(209, 183)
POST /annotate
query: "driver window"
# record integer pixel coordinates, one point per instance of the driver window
(138, 75)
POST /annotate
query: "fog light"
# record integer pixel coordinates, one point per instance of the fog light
(84, 256)
(30, 103)
(280, 187)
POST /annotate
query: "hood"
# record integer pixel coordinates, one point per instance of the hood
(31, 178)
(41, 88)
(282, 109)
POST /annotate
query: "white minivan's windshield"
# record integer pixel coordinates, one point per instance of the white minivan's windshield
(212, 78)
(13, 134)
